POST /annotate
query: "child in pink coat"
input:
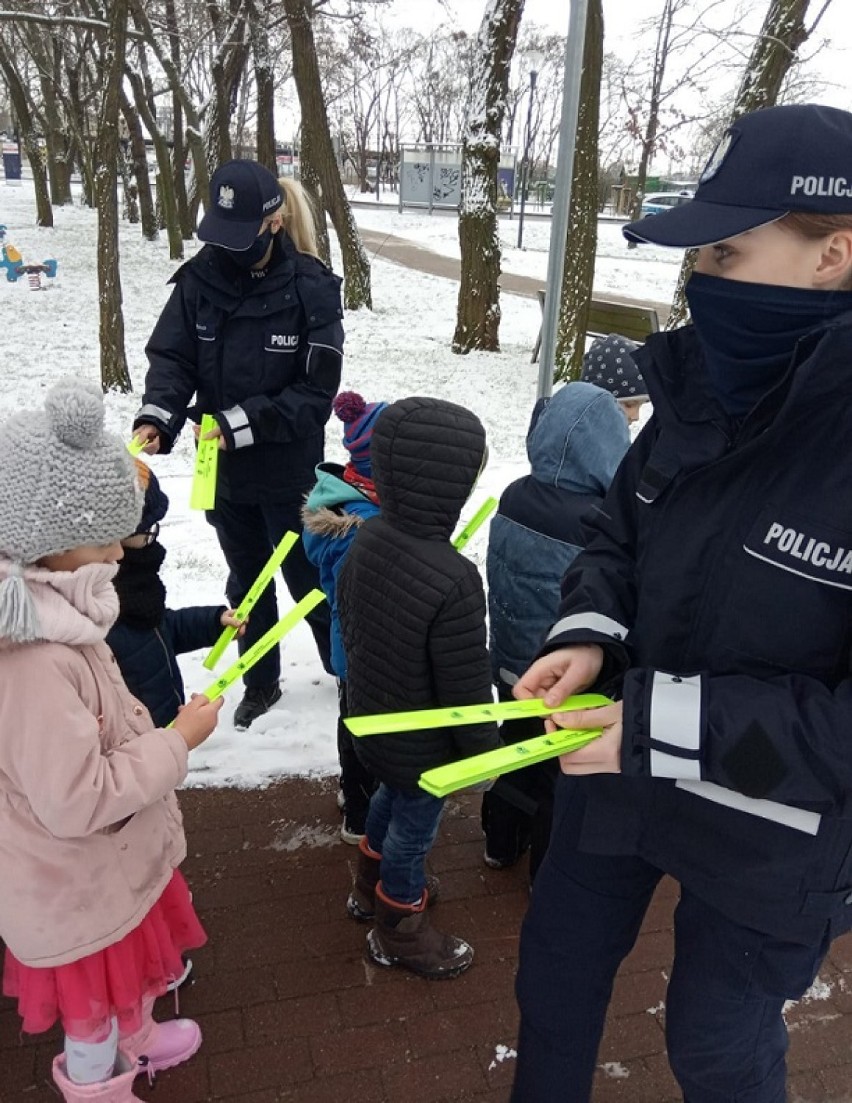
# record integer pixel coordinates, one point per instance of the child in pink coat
(94, 912)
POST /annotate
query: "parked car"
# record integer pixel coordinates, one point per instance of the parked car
(662, 201)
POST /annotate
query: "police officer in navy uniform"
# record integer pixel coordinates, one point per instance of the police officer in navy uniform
(713, 600)
(252, 332)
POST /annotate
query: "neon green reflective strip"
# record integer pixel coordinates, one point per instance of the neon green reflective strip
(266, 642)
(258, 586)
(476, 521)
(389, 722)
(480, 767)
(135, 446)
(203, 495)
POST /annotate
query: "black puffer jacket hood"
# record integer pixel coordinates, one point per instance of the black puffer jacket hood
(427, 455)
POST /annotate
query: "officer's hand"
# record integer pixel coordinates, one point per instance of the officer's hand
(151, 435)
(602, 755)
(212, 434)
(561, 674)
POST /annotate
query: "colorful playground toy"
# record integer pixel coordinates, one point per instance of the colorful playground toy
(13, 262)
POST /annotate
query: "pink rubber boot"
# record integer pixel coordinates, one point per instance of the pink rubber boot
(118, 1089)
(158, 1046)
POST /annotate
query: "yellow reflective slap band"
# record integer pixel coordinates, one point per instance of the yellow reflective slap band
(258, 586)
(389, 722)
(266, 642)
(203, 495)
(477, 520)
(135, 446)
(480, 767)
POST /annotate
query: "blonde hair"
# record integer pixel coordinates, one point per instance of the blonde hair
(297, 216)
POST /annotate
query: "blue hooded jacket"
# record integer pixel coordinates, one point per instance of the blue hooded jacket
(331, 516)
(576, 441)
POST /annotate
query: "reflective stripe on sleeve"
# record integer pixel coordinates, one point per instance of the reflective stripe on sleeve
(592, 622)
(796, 818)
(676, 713)
(238, 423)
(671, 766)
(158, 412)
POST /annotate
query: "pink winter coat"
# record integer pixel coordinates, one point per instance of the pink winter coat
(90, 830)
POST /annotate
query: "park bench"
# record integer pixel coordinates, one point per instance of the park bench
(633, 321)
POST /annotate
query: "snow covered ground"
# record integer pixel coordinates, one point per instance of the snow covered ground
(399, 349)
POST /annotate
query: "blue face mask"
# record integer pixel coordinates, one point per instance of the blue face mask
(248, 258)
(749, 331)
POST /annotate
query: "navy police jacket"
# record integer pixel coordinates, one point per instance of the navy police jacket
(718, 578)
(263, 353)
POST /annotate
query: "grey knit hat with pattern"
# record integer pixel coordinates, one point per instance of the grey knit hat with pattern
(609, 364)
(64, 481)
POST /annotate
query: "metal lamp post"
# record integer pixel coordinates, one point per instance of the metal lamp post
(534, 60)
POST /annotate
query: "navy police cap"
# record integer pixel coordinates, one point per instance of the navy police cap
(768, 163)
(242, 194)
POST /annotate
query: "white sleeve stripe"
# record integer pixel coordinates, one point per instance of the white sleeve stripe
(785, 814)
(150, 410)
(320, 345)
(669, 765)
(592, 622)
(237, 417)
(243, 437)
(676, 711)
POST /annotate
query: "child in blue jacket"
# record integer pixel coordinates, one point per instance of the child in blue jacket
(342, 499)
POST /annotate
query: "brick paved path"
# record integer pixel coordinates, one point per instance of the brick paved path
(293, 1013)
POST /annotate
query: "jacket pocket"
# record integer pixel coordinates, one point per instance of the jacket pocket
(144, 846)
(280, 354)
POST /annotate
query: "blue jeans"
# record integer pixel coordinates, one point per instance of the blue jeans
(401, 826)
(725, 1034)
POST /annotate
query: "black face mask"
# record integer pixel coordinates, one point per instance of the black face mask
(141, 593)
(248, 258)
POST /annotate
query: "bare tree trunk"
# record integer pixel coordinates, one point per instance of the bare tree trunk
(264, 90)
(581, 246)
(47, 50)
(320, 174)
(139, 161)
(187, 225)
(29, 136)
(114, 373)
(478, 312)
(165, 185)
(775, 50)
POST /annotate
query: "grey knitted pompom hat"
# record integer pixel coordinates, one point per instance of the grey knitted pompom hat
(64, 481)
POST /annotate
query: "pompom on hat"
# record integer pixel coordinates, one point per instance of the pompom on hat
(64, 481)
(359, 419)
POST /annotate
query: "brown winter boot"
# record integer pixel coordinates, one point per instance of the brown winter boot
(361, 904)
(404, 936)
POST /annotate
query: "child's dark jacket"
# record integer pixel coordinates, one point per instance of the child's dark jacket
(332, 514)
(412, 608)
(147, 656)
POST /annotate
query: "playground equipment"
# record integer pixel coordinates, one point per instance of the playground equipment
(15, 266)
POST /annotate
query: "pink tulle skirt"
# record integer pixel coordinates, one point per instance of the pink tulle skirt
(86, 993)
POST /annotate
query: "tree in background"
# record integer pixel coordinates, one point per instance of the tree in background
(582, 238)
(775, 51)
(320, 173)
(114, 372)
(478, 312)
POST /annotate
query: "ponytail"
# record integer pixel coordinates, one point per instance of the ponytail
(297, 216)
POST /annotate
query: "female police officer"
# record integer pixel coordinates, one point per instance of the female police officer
(253, 331)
